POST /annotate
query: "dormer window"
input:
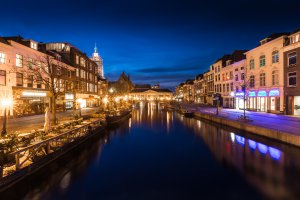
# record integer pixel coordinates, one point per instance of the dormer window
(33, 45)
(228, 62)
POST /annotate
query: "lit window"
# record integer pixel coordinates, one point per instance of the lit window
(242, 76)
(33, 45)
(19, 60)
(2, 58)
(262, 61)
(77, 59)
(292, 79)
(292, 59)
(275, 57)
(30, 81)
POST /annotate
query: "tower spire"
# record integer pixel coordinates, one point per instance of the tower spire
(95, 49)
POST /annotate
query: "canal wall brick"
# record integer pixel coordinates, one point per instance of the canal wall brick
(268, 132)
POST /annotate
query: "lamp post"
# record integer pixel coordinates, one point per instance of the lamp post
(5, 103)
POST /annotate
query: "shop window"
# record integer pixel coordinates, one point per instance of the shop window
(262, 61)
(275, 77)
(292, 59)
(2, 77)
(262, 79)
(292, 79)
(2, 58)
(19, 79)
(275, 57)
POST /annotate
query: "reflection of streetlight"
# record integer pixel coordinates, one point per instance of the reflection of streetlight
(5, 103)
(111, 90)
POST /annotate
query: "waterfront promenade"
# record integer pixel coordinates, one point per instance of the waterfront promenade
(35, 122)
(279, 127)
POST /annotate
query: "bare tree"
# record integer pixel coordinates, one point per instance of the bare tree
(47, 70)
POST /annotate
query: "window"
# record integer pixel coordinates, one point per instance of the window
(77, 59)
(19, 79)
(219, 77)
(275, 57)
(30, 81)
(242, 68)
(2, 77)
(19, 60)
(251, 64)
(216, 77)
(262, 79)
(275, 77)
(77, 72)
(30, 63)
(292, 59)
(58, 70)
(33, 45)
(82, 62)
(224, 88)
(2, 58)
(218, 68)
(242, 76)
(236, 88)
(69, 74)
(39, 82)
(227, 87)
(237, 69)
(292, 79)
(262, 61)
(236, 77)
(252, 81)
(231, 75)
(231, 86)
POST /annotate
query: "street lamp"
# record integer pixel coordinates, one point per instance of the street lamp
(5, 103)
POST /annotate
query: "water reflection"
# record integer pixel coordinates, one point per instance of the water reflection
(271, 167)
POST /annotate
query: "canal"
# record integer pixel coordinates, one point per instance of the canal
(162, 155)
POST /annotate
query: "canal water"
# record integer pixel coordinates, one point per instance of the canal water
(159, 154)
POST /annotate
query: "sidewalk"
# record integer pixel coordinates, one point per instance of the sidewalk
(281, 123)
(29, 123)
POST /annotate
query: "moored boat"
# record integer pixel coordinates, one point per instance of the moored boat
(114, 119)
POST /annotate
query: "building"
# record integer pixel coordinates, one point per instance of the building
(209, 79)
(199, 89)
(99, 61)
(122, 86)
(291, 60)
(83, 93)
(188, 91)
(265, 77)
(151, 94)
(24, 74)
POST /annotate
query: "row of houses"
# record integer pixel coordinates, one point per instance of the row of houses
(267, 77)
(27, 69)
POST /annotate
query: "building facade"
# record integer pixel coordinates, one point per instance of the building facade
(291, 57)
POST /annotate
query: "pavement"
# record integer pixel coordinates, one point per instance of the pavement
(35, 122)
(284, 123)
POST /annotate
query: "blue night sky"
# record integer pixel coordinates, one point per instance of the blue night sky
(154, 41)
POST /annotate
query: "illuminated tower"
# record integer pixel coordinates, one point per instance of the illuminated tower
(99, 61)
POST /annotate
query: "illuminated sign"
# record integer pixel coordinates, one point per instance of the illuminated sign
(262, 93)
(69, 96)
(252, 94)
(239, 94)
(274, 93)
(262, 148)
(34, 94)
(252, 144)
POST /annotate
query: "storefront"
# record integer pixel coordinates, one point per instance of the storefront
(239, 100)
(29, 102)
(251, 100)
(296, 105)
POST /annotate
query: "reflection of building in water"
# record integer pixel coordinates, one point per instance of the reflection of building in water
(267, 168)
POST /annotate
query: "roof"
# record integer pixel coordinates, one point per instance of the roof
(2, 40)
(145, 90)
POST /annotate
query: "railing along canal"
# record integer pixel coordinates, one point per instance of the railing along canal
(28, 154)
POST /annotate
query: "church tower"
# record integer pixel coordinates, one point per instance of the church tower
(99, 61)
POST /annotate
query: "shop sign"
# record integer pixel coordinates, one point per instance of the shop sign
(239, 94)
(252, 94)
(34, 94)
(274, 93)
(262, 93)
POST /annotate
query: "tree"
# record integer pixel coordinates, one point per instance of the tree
(49, 71)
